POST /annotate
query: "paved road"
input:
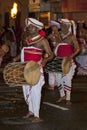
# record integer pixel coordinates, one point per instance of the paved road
(55, 116)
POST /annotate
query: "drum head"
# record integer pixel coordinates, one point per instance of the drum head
(65, 65)
(32, 73)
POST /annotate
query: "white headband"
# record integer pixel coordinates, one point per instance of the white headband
(54, 23)
(34, 22)
(71, 23)
(66, 22)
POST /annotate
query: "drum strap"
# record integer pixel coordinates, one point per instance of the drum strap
(33, 41)
(27, 51)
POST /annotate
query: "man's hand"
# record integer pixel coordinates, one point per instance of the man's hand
(43, 62)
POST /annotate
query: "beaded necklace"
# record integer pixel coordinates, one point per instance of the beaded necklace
(34, 39)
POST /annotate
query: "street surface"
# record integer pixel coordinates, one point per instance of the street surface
(56, 116)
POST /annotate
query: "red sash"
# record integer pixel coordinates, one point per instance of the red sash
(64, 50)
(34, 54)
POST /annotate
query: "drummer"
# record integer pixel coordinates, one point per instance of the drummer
(36, 45)
(52, 67)
(68, 48)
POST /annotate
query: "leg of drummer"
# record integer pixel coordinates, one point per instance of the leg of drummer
(33, 98)
(36, 98)
(60, 87)
(30, 109)
(51, 80)
(27, 97)
(62, 95)
(67, 88)
(68, 96)
(68, 82)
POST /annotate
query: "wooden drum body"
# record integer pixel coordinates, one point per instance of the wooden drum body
(18, 73)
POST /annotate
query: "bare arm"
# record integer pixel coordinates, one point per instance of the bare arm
(76, 46)
(47, 50)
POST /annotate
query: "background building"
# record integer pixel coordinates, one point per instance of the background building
(43, 10)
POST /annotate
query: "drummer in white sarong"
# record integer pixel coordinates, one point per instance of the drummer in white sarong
(68, 48)
(37, 43)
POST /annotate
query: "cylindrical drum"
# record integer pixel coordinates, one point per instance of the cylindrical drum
(18, 73)
(58, 65)
(54, 65)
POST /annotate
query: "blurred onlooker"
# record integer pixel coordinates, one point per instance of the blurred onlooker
(12, 43)
(19, 31)
(82, 57)
(2, 30)
(3, 50)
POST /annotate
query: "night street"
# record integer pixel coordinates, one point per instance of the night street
(56, 116)
(43, 64)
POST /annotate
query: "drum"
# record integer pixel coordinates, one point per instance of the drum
(58, 65)
(18, 73)
(54, 65)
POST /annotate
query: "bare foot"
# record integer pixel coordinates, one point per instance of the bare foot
(68, 102)
(61, 99)
(28, 115)
(36, 120)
